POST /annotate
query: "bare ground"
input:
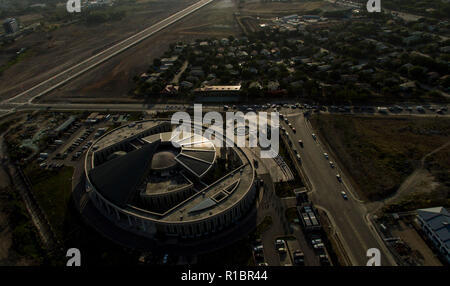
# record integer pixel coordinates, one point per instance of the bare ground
(111, 81)
(59, 49)
(420, 181)
(280, 8)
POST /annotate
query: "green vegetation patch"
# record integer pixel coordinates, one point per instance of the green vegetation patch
(53, 190)
(379, 153)
(25, 239)
(438, 165)
(15, 60)
(438, 9)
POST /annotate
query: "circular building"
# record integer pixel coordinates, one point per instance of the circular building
(146, 181)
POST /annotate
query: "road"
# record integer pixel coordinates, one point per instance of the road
(8, 107)
(348, 216)
(63, 77)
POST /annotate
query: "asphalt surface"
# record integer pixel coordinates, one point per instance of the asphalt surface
(348, 216)
(63, 77)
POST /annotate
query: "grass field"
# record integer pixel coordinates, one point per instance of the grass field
(18, 239)
(16, 59)
(280, 8)
(379, 153)
(438, 165)
(52, 189)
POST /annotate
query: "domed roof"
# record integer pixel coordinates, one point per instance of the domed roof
(163, 160)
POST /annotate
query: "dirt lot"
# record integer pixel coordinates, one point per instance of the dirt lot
(114, 79)
(380, 153)
(58, 49)
(419, 252)
(427, 186)
(280, 8)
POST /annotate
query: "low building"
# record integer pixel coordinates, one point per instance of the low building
(138, 179)
(219, 89)
(435, 222)
(66, 124)
(218, 93)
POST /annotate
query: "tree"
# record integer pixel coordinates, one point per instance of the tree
(416, 72)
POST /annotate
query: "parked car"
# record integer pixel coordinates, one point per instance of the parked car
(299, 257)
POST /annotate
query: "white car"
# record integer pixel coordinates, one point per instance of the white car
(344, 195)
(314, 136)
(326, 155)
(263, 264)
(331, 164)
(339, 177)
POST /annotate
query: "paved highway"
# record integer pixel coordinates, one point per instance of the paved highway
(63, 77)
(348, 216)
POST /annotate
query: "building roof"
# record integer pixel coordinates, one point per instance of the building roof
(66, 124)
(118, 178)
(224, 88)
(438, 219)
